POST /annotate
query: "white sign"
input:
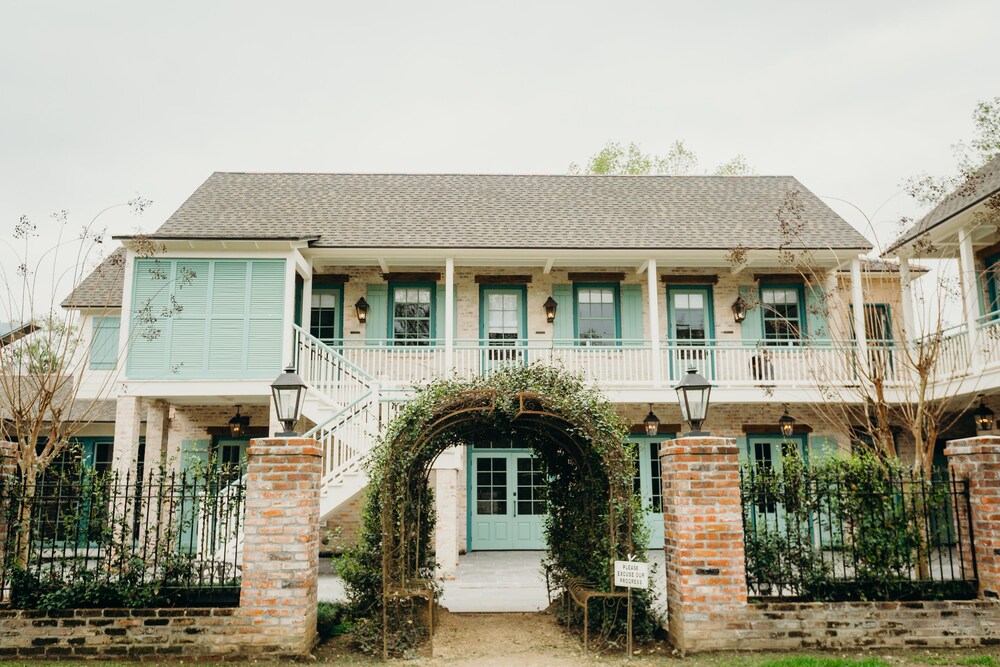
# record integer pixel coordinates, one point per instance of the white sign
(631, 574)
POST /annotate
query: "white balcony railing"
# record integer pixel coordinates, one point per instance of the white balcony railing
(622, 364)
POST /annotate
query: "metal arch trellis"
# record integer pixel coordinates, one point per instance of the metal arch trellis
(464, 412)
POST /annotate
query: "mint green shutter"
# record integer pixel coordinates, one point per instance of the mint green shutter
(376, 330)
(752, 326)
(194, 466)
(267, 315)
(817, 313)
(227, 345)
(631, 304)
(148, 334)
(104, 343)
(188, 325)
(562, 329)
(439, 314)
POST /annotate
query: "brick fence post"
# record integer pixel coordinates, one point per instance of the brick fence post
(8, 472)
(703, 542)
(977, 460)
(281, 544)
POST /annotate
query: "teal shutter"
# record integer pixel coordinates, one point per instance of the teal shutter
(742, 451)
(194, 465)
(149, 329)
(817, 313)
(376, 330)
(752, 325)
(267, 315)
(104, 343)
(631, 296)
(207, 318)
(439, 313)
(562, 328)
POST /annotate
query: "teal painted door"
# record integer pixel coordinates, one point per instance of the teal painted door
(648, 483)
(689, 310)
(766, 451)
(507, 508)
(502, 325)
(325, 316)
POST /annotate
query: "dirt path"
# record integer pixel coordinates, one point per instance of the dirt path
(524, 640)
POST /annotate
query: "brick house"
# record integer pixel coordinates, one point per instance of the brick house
(373, 283)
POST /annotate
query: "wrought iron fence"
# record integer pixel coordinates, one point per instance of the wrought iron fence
(856, 532)
(82, 538)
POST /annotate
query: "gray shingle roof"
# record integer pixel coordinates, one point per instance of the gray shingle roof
(504, 211)
(103, 287)
(982, 184)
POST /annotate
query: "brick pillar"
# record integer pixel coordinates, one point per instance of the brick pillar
(703, 542)
(978, 461)
(128, 425)
(281, 544)
(8, 472)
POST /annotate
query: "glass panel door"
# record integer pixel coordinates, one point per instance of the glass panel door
(325, 319)
(503, 325)
(649, 485)
(690, 314)
(507, 501)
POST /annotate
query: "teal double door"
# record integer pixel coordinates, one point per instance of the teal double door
(648, 483)
(507, 500)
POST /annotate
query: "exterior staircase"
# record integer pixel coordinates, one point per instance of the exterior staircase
(345, 402)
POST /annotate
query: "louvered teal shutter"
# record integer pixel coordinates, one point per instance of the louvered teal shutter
(439, 313)
(194, 466)
(267, 313)
(631, 296)
(817, 313)
(563, 329)
(752, 325)
(376, 330)
(149, 329)
(188, 326)
(227, 341)
(104, 343)
(742, 451)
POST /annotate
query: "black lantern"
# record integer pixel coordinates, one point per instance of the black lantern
(786, 424)
(651, 422)
(361, 306)
(288, 390)
(693, 394)
(238, 424)
(550, 309)
(983, 415)
(739, 309)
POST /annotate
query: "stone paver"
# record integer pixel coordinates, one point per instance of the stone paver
(494, 581)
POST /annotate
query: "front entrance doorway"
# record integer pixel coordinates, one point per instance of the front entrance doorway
(506, 500)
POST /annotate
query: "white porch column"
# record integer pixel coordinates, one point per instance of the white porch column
(858, 303)
(449, 314)
(970, 301)
(307, 292)
(653, 296)
(909, 323)
(287, 339)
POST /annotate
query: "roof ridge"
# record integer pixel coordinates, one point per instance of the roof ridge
(542, 175)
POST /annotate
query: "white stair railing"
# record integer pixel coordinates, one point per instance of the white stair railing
(327, 373)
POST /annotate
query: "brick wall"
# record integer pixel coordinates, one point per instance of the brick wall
(126, 633)
(869, 625)
(978, 461)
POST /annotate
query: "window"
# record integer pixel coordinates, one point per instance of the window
(324, 319)
(992, 285)
(411, 314)
(597, 314)
(781, 312)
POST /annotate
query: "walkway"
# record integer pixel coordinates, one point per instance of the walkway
(492, 581)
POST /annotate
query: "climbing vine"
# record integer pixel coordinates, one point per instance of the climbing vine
(593, 516)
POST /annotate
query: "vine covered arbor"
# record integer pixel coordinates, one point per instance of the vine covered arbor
(579, 440)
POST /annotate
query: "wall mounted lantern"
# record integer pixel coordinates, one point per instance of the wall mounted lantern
(693, 394)
(739, 309)
(983, 415)
(238, 424)
(361, 306)
(288, 390)
(786, 424)
(550, 310)
(651, 422)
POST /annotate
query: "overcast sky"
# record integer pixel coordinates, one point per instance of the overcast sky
(101, 101)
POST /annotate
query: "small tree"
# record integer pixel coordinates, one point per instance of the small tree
(42, 408)
(617, 160)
